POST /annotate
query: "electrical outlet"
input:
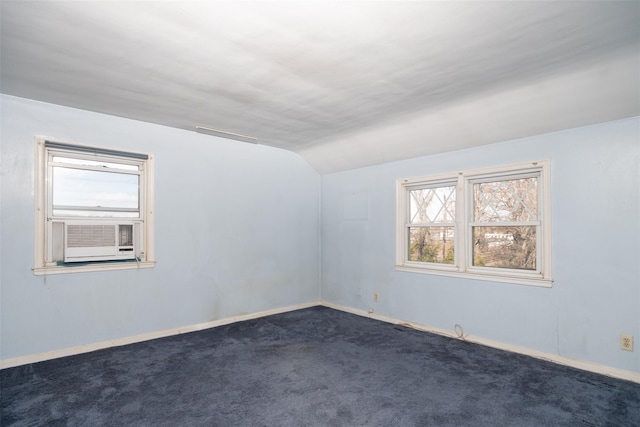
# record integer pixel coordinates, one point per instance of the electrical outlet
(626, 342)
(375, 297)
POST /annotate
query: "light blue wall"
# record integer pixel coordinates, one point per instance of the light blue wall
(596, 248)
(236, 233)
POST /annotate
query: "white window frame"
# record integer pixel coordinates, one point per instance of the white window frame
(44, 263)
(462, 266)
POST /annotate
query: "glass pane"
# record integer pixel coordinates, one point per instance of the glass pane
(505, 247)
(433, 204)
(507, 200)
(85, 162)
(431, 244)
(94, 189)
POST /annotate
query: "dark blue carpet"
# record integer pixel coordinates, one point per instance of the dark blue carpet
(312, 367)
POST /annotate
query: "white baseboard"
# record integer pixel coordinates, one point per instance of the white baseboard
(24, 360)
(586, 366)
(561, 360)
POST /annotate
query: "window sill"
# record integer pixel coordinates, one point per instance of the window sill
(86, 268)
(518, 280)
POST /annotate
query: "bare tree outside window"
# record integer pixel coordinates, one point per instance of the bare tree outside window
(505, 218)
(432, 224)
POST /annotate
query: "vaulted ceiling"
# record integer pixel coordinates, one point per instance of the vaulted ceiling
(345, 84)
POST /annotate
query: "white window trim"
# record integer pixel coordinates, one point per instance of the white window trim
(462, 268)
(42, 181)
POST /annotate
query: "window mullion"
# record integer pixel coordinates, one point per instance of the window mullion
(505, 224)
(461, 219)
(432, 224)
(94, 208)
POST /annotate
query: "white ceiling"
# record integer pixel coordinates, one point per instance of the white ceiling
(345, 84)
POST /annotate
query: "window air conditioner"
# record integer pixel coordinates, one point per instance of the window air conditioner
(98, 241)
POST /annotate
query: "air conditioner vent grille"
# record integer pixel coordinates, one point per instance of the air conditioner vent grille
(83, 236)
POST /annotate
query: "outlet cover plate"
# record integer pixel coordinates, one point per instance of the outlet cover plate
(626, 342)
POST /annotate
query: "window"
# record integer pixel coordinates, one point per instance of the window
(489, 224)
(94, 208)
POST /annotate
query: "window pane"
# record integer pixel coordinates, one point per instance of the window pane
(432, 204)
(505, 247)
(431, 244)
(93, 189)
(507, 200)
